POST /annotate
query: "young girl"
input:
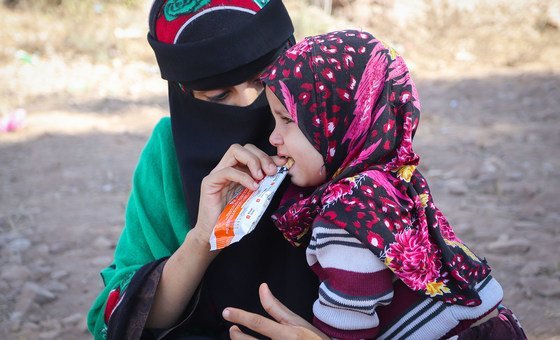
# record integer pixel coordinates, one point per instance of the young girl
(389, 263)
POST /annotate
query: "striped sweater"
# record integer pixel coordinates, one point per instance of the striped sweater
(360, 298)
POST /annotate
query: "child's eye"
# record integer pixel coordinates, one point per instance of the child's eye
(287, 120)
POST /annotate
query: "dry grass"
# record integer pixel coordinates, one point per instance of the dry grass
(440, 34)
(74, 48)
(434, 33)
(97, 30)
(49, 40)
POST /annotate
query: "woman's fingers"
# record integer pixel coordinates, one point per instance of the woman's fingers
(268, 327)
(285, 316)
(258, 162)
(216, 181)
(277, 310)
(256, 322)
(236, 334)
(214, 192)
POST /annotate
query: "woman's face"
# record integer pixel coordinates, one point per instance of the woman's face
(238, 95)
(290, 141)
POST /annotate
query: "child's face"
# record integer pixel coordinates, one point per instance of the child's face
(291, 142)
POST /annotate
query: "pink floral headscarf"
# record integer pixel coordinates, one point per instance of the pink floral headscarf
(354, 100)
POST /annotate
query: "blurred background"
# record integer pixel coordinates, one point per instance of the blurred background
(80, 92)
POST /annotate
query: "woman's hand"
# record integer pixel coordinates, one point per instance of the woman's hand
(240, 165)
(286, 324)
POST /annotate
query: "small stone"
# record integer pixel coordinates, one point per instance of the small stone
(4, 285)
(533, 269)
(487, 185)
(514, 176)
(42, 263)
(103, 243)
(41, 295)
(529, 286)
(550, 292)
(488, 167)
(506, 247)
(526, 225)
(528, 190)
(541, 286)
(11, 257)
(101, 261)
(59, 274)
(40, 270)
(19, 245)
(54, 334)
(83, 326)
(31, 326)
(58, 248)
(56, 286)
(456, 187)
(73, 319)
(15, 324)
(9, 237)
(42, 249)
(553, 216)
(50, 324)
(34, 317)
(15, 273)
(34, 210)
(28, 334)
(23, 303)
(433, 172)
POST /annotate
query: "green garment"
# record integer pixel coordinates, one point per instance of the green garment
(156, 220)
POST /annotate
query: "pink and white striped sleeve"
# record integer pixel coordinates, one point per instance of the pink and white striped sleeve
(353, 283)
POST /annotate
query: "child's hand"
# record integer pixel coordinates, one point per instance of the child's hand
(240, 165)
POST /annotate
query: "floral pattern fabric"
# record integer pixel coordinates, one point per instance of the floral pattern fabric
(354, 100)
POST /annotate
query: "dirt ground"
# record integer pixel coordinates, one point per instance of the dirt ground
(488, 139)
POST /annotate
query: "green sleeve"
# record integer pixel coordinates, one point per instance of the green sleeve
(155, 222)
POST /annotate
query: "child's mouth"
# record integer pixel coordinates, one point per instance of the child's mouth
(289, 163)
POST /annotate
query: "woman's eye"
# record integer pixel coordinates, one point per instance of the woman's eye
(219, 97)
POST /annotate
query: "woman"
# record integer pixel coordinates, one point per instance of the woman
(163, 280)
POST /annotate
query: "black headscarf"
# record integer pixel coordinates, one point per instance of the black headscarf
(203, 131)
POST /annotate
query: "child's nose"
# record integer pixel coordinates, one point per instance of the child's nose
(275, 139)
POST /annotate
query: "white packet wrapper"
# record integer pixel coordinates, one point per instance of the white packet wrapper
(243, 212)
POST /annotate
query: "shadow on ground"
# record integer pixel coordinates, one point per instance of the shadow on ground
(489, 149)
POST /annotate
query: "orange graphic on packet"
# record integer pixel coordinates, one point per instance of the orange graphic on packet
(231, 226)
